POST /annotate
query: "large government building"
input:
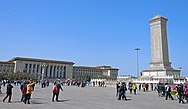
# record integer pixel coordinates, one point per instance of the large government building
(54, 69)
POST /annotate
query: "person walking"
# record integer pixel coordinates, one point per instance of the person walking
(56, 91)
(180, 92)
(28, 92)
(122, 91)
(168, 94)
(159, 89)
(147, 86)
(117, 88)
(8, 92)
(23, 89)
(186, 93)
(151, 86)
(140, 87)
(93, 83)
(144, 87)
(130, 87)
(134, 87)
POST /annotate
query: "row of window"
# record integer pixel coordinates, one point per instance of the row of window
(82, 70)
(6, 68)
(30, 66)
(82, 73)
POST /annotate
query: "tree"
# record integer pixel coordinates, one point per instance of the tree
(17, 76)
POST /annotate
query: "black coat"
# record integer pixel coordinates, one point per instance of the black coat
(123, 89)
(58, 87)
(9, 88)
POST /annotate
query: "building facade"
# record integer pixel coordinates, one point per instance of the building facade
(54, 69)
(6, 67)
(44, 69)
(97, 71)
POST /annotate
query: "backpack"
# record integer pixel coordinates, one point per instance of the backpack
(24, 91)
(30, 88)
(54, 89)
(186, 91)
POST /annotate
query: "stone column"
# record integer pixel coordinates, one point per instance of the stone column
(35, 69)
(46, 71)
(55, 70)
(49, 65)
(52, 70)
(61, 74)
(31, 68)
(59, 71)
(40, 69)
(27, 70)
(64, 72)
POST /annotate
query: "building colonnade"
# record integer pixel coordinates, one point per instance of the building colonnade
(47, 70)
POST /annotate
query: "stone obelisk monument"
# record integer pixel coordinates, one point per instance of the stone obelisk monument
(159, 65)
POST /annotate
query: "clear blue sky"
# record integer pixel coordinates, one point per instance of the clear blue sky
(92, 32)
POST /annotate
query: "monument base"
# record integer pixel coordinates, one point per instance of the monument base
(160, 73)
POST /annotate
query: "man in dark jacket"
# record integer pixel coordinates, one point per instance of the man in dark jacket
(168, 94)
(117, 88)
(122, 91)
(9, 92)
(180, 92)
(58, 85)
(159, 89)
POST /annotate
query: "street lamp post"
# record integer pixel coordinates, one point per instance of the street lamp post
(181, 71)
(137, 49)
(43, 66)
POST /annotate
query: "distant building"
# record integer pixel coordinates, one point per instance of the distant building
(43, 68)
(95, 71)
(54, 69)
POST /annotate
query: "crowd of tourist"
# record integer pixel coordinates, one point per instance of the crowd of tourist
(27, 87)
(178, 92)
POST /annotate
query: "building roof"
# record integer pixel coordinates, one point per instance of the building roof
(1, 62)
(97, 67)
(39, 60)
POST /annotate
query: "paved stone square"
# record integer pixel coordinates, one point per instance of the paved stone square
(89, 98)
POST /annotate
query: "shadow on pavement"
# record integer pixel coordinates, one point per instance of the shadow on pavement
(11, 101)
(16, 101)
(128, 99)
(63, 100)
(125, 100)
(37, 98)
(37, 102)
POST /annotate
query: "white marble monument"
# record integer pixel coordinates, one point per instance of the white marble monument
(160, 65)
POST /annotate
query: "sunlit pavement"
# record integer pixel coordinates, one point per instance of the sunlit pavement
(88, 98)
